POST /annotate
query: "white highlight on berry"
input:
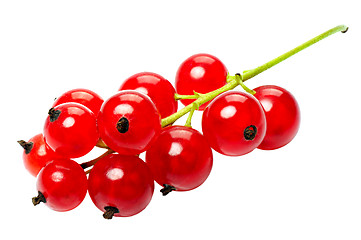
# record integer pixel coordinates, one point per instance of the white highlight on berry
(123, 109)
(115, 174)
(228, 112)
(42, 150)
(68, 122)
(175, 149)
(57, 176)
(197, 72)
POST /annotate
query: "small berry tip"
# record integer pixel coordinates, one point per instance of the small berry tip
(167, 189)
(109, 212)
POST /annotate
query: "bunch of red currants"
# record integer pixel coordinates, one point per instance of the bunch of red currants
(139, 118)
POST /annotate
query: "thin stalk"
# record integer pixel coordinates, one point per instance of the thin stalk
(239, 77)
(189, 119)
(90, 163)
(233, 82)
(178, 96)
(201, 100)
(251, 73)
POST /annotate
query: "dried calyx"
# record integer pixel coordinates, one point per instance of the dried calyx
(38, 199)
(53, 114)
(123, 125)
(167, 189)
(26, 145)
(250, 132)
(110, 211)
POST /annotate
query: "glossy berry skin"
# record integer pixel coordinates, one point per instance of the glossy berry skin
(38, 155)
(83, 96)
(73, 133)
(201, 73)
(159, 89)
(137, 117)
(234, 123)
(282, 115)
(180, 157)
(123, 182)
(63, 184)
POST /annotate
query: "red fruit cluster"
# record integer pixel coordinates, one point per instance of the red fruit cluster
(179, 158)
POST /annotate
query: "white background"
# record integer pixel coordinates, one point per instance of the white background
(309, 189)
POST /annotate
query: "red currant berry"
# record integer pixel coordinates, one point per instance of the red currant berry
(234, 123)
(120, 185)
(83, 96)
(282, 115)
(36, 154)
(61, 185)
(159, 89)
(71, 130)
(201, 73)
(180, 159)
(128, 122)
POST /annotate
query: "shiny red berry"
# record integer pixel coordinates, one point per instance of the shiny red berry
(159, 89)
(36, 154)
(83, 96)
(71, 130)
(234, 123)
(61, 185)
(129, 122)
(180, 159)
(282, 115)
(120, 185)
(201, 73)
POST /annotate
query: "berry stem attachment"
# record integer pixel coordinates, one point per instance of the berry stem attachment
(101, 144)
(234, 81)
(201, 99)
(196, 95)
(189, 119)
(239, 78)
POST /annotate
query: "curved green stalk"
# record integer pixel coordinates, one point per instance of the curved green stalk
(251, 73)
(233, 81)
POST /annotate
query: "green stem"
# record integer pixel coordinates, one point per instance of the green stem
(178, 96)
(201, 100)
(251, 73)
(189, 119)
(239, 77)
(233, 82)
